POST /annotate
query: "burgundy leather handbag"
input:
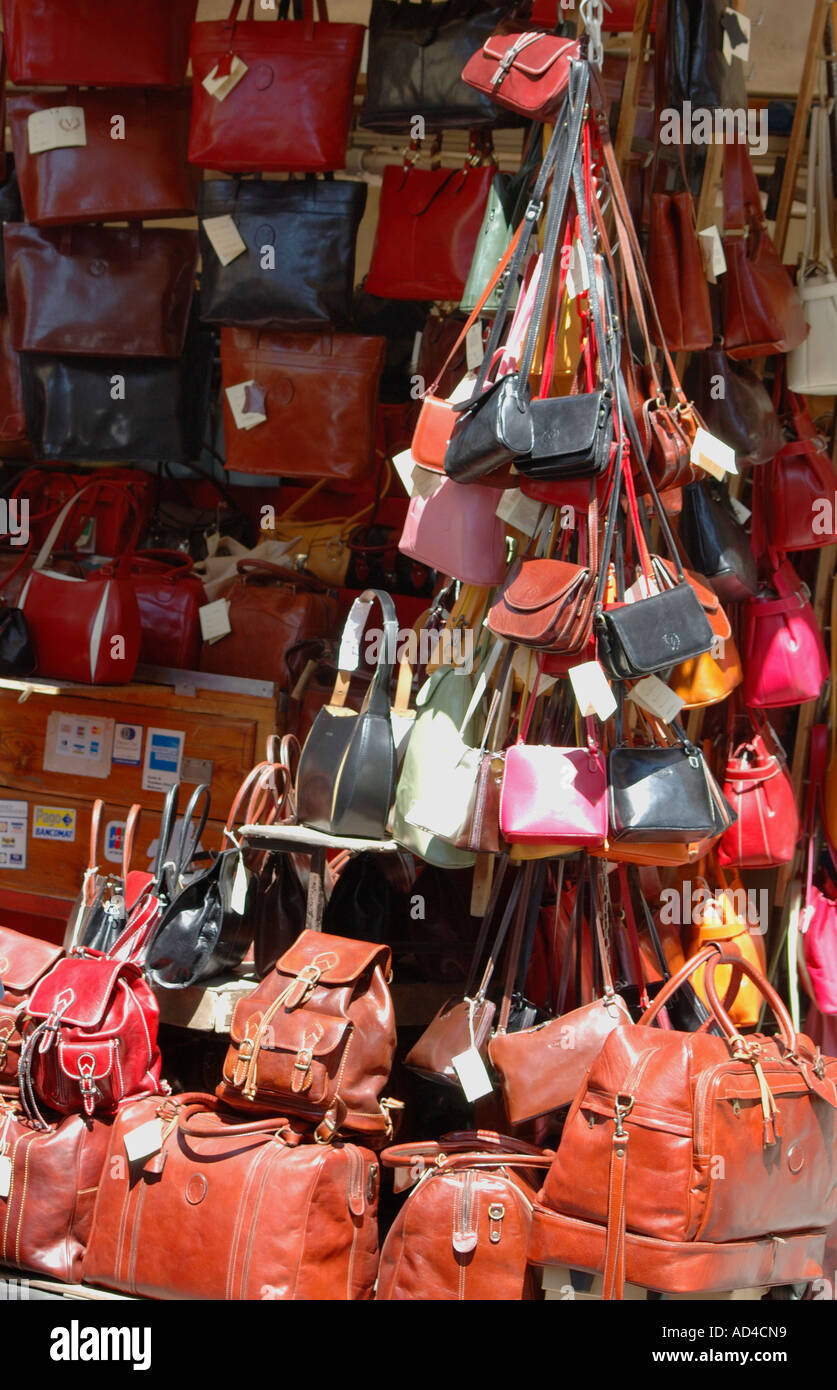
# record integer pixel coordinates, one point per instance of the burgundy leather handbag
(114, 498)
(528, 73)
(98, 44)
(23, 960)
(169, 598)
(100, 291)
(13, 438)
(675, 269)
(291, 108)
(146, 174)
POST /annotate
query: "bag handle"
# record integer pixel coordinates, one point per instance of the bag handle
(249, 569)
(742, 199)
(122, 567)
(461, 1141)
(355, 624)
(787, 1031)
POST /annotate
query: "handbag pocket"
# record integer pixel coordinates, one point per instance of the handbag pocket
(572, 436)
(654, 633)
(493, 429)
(300, 1056)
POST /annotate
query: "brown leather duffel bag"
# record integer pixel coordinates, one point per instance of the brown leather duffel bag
(225, 1210)
(51, 1179)
(316, 1038)
(23, 960)
(692, 1162)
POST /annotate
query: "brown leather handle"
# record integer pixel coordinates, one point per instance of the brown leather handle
(194, 1103)
(672, 986)
(496, 1160)
(488, 1142)
(254, 569)
(765, 988)
(129, 836)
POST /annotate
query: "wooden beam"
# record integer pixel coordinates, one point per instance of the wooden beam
(796, 143)
(633, 80)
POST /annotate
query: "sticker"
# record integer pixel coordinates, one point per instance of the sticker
(592, 692)
(246, 401)
(127, 744)
(225, 238)
(79, 745)
(114, 839)
(14, 816)
(473, 1077)
(53, 823)
(215, 620)
(57, 128)
(144, 1141)
(712, 454)
(225, 76)
(163, 757)
(5, 1175)
(657, 698)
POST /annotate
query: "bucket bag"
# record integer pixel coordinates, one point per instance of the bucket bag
(758, 785)
(785, 661)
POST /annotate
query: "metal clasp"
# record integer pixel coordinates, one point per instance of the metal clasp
(623, 1105)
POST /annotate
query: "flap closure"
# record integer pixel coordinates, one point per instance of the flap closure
(660, 630)
(533, 61)
(540, 583)
(23, 960)
(85, 1064)
(79, 989)
(300, 1031)
(338, 960)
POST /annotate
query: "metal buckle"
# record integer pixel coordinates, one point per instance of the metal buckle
(623, 1105)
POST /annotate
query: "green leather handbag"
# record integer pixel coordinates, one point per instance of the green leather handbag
(493, 239)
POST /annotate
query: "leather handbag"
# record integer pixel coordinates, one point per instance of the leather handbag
(322, 547)
(462, 1234)
(735, 405)
(23, 961)
(692, 32)
(819, 948)
(525, 72)
(762, 310)
(17, 654)
(416, 57)
(795, 497)
(144, 174)
(716, 542)
(492, 242)
(636, 1133)
(46, 1210)
(154, 410)
(457, 531)
(95, 638)
(232, 1210)
(13, 437)
(94, 44)
(531, 810)
(675, 268)
(663, 793)
(710, 678)
(785, 661)
(90, 1039)
(428, 224)
(758, 785)
(312, 67)
(107, 520)
(169, 598)
(137, 305)
(810, 368)
(271, 610)
(298, 269)
(317, 1038)
(99, 916)
(719, 918)
(318, 392)
(346, 777)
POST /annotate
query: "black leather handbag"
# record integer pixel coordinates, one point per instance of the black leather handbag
(716, 542)
(17, 654)
(346, 777)
(298, 270)
(416, 57)
(664, 794)
(155, 410)
(699, 71)
(11, 210)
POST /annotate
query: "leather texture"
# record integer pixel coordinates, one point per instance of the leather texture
(491, 430)
(720, 920)
(675, 269)
(316, 1038)
(785, 661)
(428, 224)
(457, 531)
(169, 598)
(819, 946)
(758, 785)
(699, 72)
(710, 678)
(545, 604)
(17, 654)
(100, 291)
(298, 269)
(460, 1024)
(309, 68)
(661, 794)
(716, 542)
(207, 927)
(654, 633)
(320, 392)
(93, 43)
(737, 408)
(798, 489)
(527, 73)
(47, 1210)
(146, 174)
(554, 794)
(208, 1217)
(114, 498)
(572, 436)
(23, 960)
(416, 58)
(12, 416)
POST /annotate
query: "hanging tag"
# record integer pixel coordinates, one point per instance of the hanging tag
(474, 350)
(641, 589)
(592, 693)
(739, 511)
(348, 658)
(525, 666)
(712, 454)
(657, 698)
(473, 1077)
(578, 281)
(5, 1175)
(241, 883)
(418, 481)
(224, 77)
(215, 620)
(736, 27)
(57, 128)
(225, 238)
(144, 1141)
(521, 512)
(246, 401)
(712, 251)
(465, 390)
(414, 355)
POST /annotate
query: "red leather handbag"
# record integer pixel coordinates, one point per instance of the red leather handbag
(557, 795)
(88, 629)
(98, 44)
(763, 313)
(785, 661)
(675, 269)
(13, 437)
(758, 786)
(112, 509)
(23, 960)
(91, 1036)
(427, 231)
(145, 175)
(169, 597)
(457, 531)
(528, 73)
(292, 107)
(796, 493)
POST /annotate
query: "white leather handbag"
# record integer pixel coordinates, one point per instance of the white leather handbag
(812, 367)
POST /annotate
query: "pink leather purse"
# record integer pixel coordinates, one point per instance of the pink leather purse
(457, 531)
(785, 661)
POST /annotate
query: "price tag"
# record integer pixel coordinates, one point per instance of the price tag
(473, 1077)
(521, 512)
(5, 1175)
(246, 401)
(414, 355)
(215, 620)
(525, 665)
(474, 351)
(241, 882)
(641, 589)
(59, 127)
(657, 698)
(224, 77)
(225, 238)
(465, 390)
(578, 280)
(736, 27)
(739, 511)
(712, 454)
(712, 251)
(348, 658)
(592, 693)
(144, 1141)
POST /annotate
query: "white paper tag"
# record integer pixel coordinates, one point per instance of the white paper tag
(465, 390)
(59, 127)
(739, 511)
(525, 665)
(225, 237)
(473, 1077)
(246, 400)
(578, 281)
(712, 251)
(641, 589)
(592, 693)
(414, 355)
(521, 512)
(215, 620)
(238, 897)
(5, 1175)
(474, 351)
(418, 481)
(144, 1141)
(348, 658)
(742, 48)
(220, 87)
(712, 454)
(657, 698)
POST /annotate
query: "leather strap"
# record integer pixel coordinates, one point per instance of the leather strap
(613, 1274)
(122, 568)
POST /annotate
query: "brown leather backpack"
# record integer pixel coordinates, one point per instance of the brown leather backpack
(316, 1038)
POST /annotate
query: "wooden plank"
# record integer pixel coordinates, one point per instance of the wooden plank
(633, 78)
(800, 122)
